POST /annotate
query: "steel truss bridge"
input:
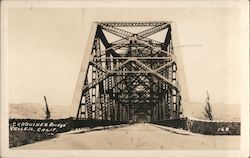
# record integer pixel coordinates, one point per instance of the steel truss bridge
(128, 73)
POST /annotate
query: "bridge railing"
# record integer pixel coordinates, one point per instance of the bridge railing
(57, 125)
(83, 123)
(206, 127)
(175, 123)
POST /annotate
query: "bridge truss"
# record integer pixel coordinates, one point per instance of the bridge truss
(127, 75)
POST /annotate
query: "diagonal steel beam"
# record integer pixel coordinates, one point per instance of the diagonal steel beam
(157, 74)
(102, 77)
(100, 35)
(97, 66)
(150, 45)
(152, 31)
(146, 33)
(167, 39)
(165, 65)
(140, 82)
(114, 47)
(116, 31)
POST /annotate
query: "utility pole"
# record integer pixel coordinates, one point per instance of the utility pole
(47, 112)
(208, 109)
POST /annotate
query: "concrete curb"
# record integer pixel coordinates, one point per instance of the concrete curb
(175, 130)
(87, 129)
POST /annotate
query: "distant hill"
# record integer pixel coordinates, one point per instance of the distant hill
(35, 111)
(225, 112)
(220, 111)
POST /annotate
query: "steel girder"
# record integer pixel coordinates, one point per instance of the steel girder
(130, 77)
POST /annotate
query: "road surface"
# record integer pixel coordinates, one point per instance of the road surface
(138, 136)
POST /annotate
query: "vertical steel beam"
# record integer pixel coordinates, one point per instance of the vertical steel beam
(179, 61)
(83, 71)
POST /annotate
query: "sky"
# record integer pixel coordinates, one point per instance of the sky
(46, 48)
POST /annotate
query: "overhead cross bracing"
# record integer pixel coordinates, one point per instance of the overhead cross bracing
(134, 77)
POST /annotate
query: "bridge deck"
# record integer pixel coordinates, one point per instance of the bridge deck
(138, 136)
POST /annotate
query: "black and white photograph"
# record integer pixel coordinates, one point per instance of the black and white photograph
(124, 79)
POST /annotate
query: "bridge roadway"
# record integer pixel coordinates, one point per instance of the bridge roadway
(137, 136)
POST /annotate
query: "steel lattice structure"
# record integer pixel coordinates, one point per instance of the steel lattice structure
(132, 78)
